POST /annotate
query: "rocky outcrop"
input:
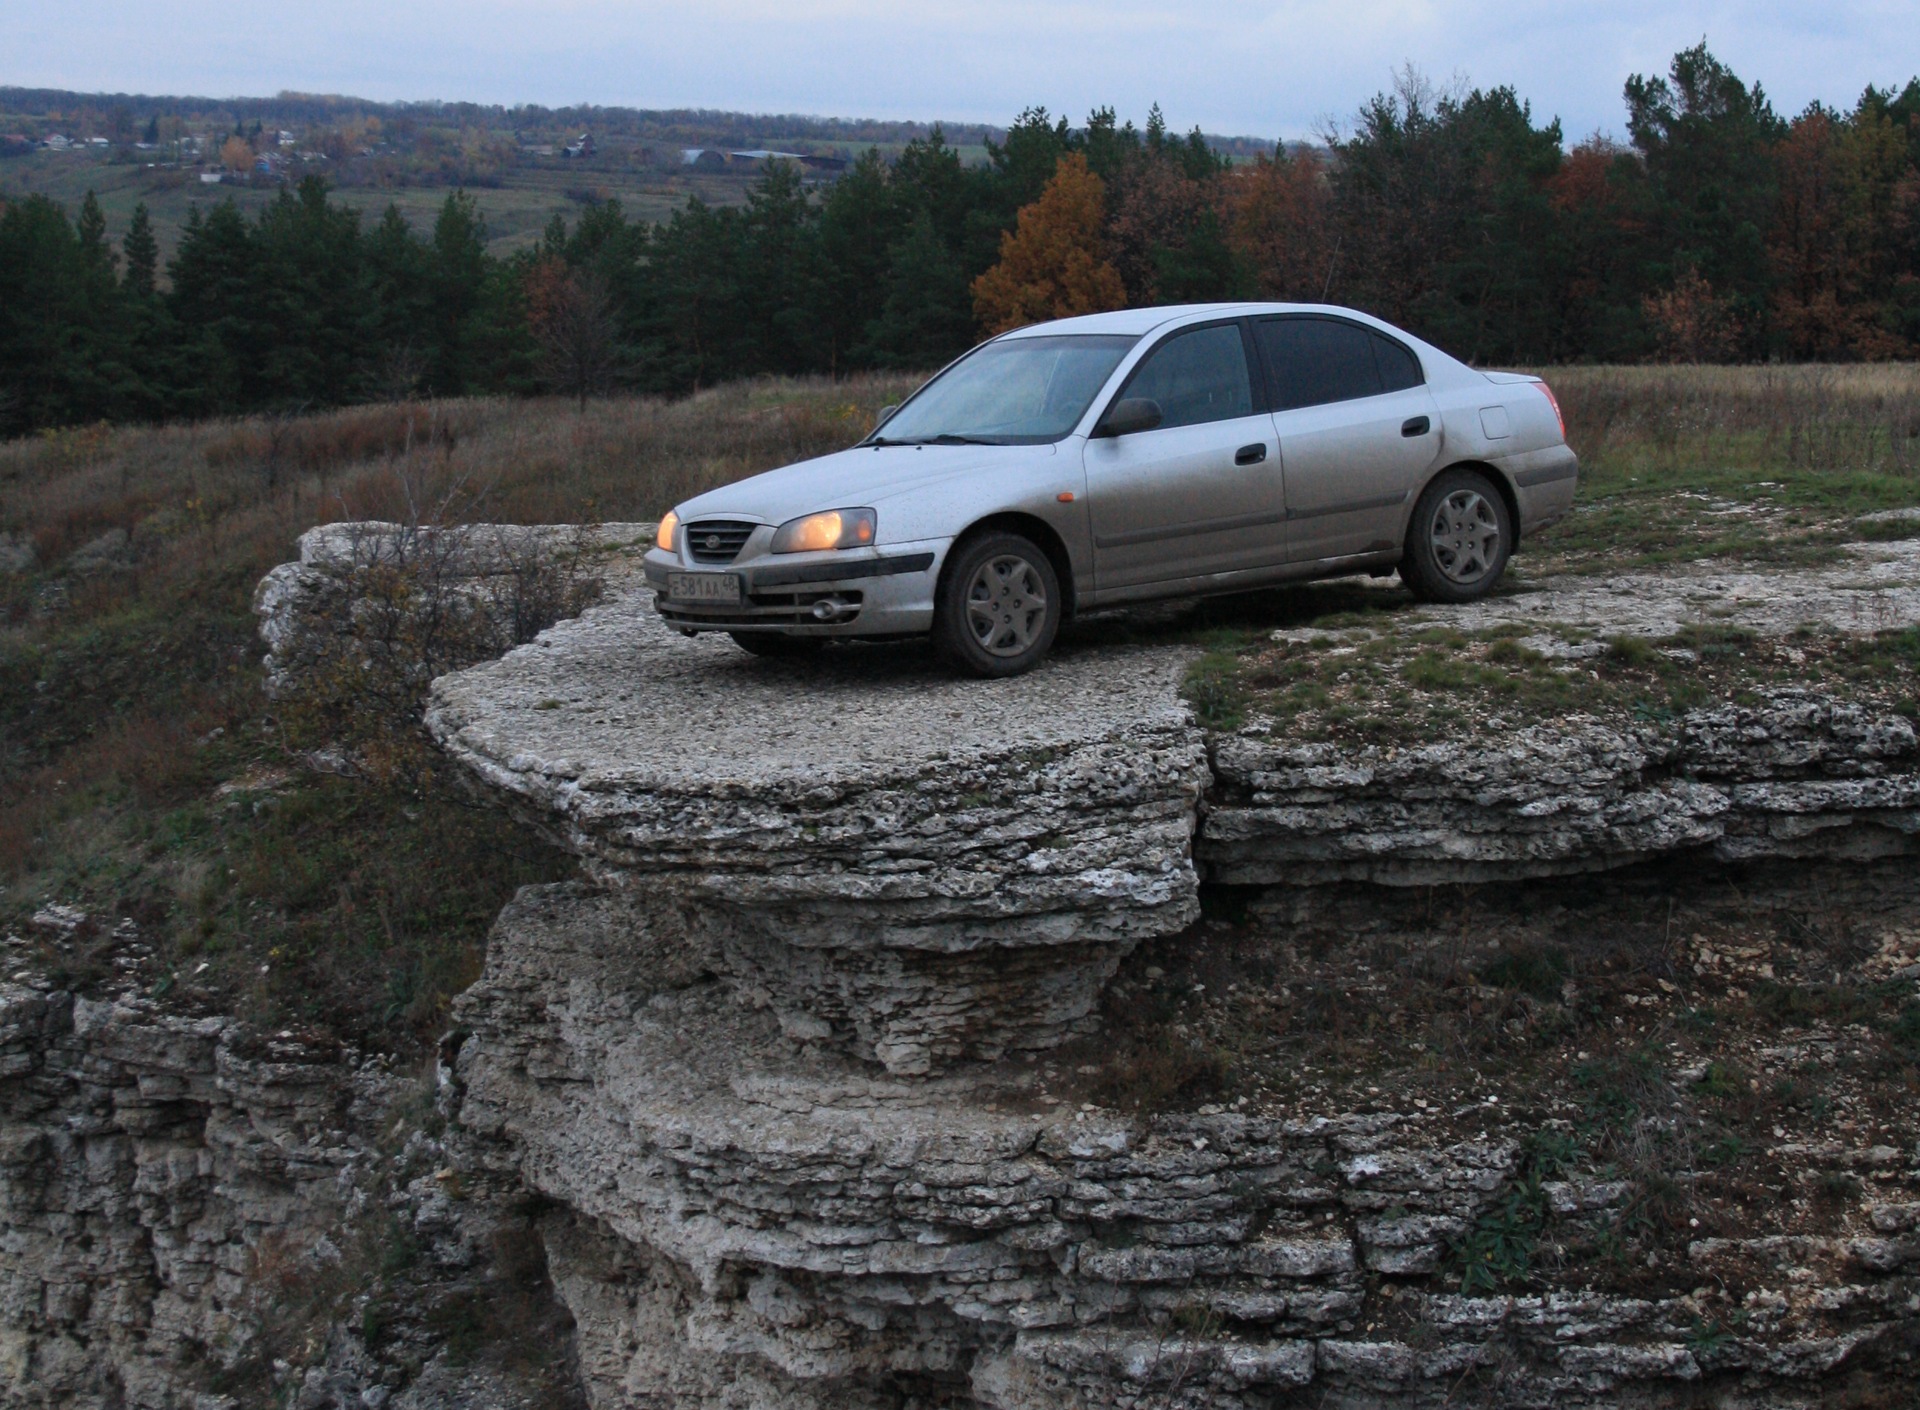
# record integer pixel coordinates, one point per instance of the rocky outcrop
(420, 600)
(916, 868)
(755, 1222)
(1796, 775)
(773, 1089)
(777, 1064)
(194, 1213)
(1875, 587)
(151, 1164)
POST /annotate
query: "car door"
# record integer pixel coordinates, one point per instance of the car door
(1357, 430)
(1200, 493)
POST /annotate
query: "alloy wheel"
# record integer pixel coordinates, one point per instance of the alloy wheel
(1006, 605)
(1465, 536)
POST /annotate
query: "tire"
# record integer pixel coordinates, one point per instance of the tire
(1459, 539)
(777, 645)
(999, 606)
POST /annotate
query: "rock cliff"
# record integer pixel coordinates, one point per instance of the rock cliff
(800, 1096)
(782, 1061)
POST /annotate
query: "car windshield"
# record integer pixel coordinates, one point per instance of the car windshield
(1015, 391)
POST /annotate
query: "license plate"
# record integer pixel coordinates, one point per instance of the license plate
(703, 587)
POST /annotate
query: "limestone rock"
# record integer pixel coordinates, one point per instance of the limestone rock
(359, 589)
(917, 867)
(741, 1220)
(1797, 775)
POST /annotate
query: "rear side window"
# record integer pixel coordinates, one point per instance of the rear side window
(1197, 376)
(1314, 361)
(1399, 368)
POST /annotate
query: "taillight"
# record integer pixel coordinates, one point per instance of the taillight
(1554, 402)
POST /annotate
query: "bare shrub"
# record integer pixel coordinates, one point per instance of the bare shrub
(397, 605)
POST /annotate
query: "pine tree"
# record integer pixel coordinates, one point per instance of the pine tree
(399, 268)
(212, 304)
(63, 346)
(926, 319)
(311, 302)
(459, 268)
(143, 255)
(95, 252)
(860, 220)
(1707, 141)
(148, 331)
(780, 273)
(693, 329)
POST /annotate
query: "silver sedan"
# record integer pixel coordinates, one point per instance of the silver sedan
(1123, 457)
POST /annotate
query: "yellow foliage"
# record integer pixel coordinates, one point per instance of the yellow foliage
(1053, 264)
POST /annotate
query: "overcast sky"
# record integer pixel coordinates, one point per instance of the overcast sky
(1265, 67)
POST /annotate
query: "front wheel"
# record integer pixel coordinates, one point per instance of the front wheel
(999, 606)
(1459, 541)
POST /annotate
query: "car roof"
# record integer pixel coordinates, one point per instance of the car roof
(1441, 367)
(1139, 321)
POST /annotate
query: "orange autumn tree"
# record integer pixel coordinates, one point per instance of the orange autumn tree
(1053, 264)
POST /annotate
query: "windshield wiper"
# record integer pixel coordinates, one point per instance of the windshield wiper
(945, 438)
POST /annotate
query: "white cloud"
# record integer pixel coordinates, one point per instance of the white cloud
(1274, 67)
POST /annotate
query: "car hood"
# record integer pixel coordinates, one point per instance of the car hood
(864, 476)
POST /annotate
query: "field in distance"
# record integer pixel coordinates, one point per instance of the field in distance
(530, 193)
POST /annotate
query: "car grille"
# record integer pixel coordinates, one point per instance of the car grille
(761, 609)
(717, 540)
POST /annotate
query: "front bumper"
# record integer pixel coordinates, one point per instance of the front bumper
(841, 593)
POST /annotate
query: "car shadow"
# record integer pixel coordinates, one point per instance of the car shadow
(1200, 621)
(1189, 622)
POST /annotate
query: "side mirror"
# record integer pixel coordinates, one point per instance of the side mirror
(886, 415)
(1128, 415)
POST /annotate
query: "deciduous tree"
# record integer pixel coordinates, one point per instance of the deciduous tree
(1053, 264)
(574, 322)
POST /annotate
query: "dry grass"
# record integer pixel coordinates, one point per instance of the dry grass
(192, 497)
(1766, 464)
(133, 734)
(1836, 418)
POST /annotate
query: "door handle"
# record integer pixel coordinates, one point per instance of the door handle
(1250, 455)
(1415, 426)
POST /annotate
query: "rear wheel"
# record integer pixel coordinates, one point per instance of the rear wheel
(1459, 541)
(776, 644)
(999, 606)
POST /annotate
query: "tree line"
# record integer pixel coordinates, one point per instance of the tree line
(1720, 231)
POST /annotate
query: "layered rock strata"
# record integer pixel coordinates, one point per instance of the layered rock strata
(151, 1163)
(752, 1222)
(917, 868)
(188, 1204)
(771, 1070)
(1796, 775)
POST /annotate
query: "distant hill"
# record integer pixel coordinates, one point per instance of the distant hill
(526, 164)
(97, 114)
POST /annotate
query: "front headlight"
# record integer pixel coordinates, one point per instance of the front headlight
(832, 528)
(663, 535)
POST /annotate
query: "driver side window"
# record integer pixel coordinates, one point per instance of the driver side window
(1196, 377)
